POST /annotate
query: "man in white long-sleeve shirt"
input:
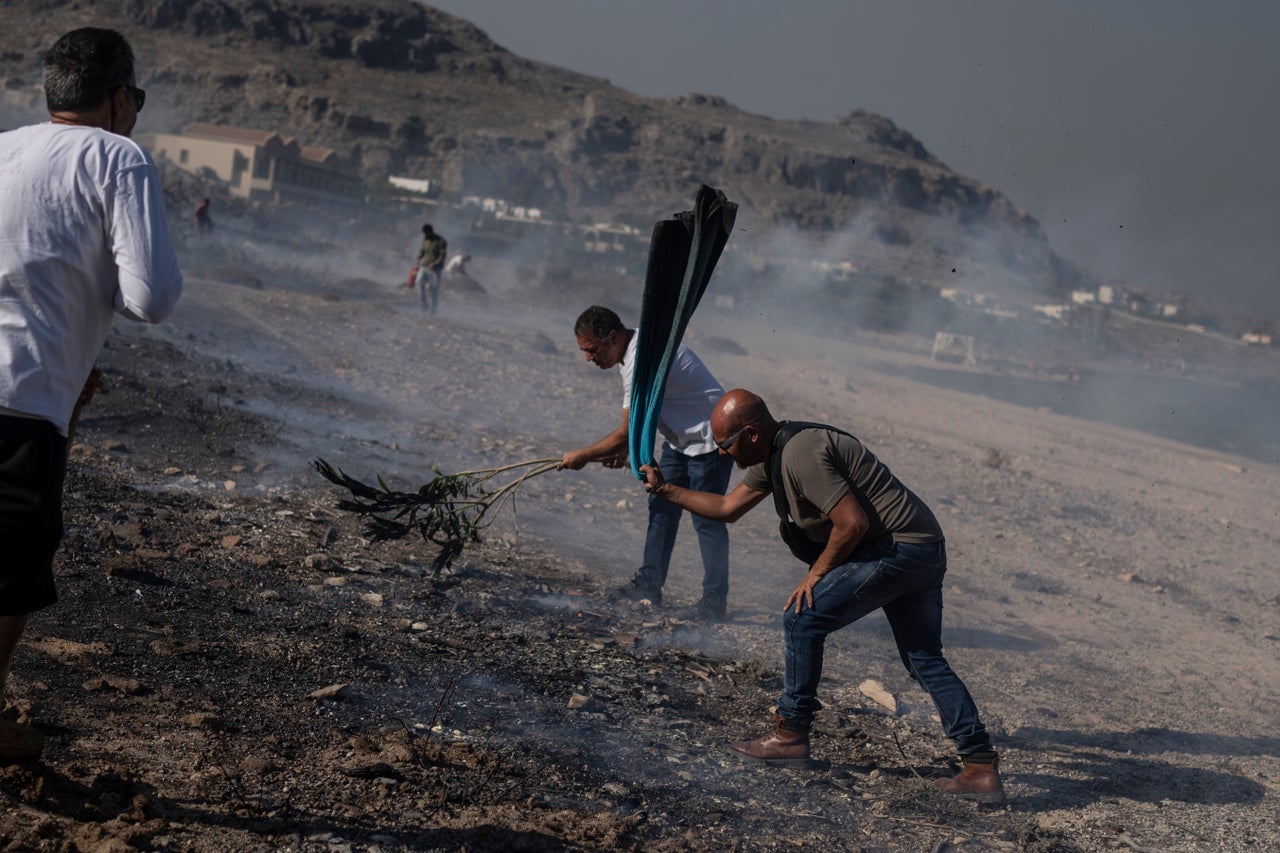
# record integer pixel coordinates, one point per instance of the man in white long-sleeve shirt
(689, 458)
(82, 237)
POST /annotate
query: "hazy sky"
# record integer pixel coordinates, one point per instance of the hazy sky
(1143, 134)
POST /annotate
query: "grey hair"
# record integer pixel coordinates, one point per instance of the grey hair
(84, 68)
(599, 321)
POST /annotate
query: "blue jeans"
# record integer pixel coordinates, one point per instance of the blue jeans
(428, 283)
(709, 472)
(906, 580)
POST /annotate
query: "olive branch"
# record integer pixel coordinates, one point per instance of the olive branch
(449, 511)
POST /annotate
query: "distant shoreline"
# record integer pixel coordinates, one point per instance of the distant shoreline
(1213, 415)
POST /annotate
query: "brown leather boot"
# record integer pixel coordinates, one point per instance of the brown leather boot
(784, 746)
(979, 780)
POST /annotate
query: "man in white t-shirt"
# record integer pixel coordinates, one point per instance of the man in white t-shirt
(83, 237)
(689, 456)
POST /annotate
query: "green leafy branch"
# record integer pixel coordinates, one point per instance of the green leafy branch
(449, 511)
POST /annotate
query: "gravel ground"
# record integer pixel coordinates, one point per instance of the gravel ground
(233, 665)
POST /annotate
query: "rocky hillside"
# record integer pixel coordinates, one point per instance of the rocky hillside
(402, 88)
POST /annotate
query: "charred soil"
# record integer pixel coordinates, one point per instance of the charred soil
(234, 666)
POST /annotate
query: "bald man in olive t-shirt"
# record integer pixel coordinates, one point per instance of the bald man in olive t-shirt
(875, 546)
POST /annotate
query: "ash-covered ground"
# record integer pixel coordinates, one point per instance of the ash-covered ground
(234, 666)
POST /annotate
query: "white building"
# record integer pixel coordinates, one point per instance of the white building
(424, 186)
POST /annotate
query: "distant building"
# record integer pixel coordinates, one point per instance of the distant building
(610, 237)
(520, 213)
(949, 346)
(421, 186)
(256, 164)
(1053, 312)
(837, 270)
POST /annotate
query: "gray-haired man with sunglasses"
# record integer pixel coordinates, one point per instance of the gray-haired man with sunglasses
(83, 237)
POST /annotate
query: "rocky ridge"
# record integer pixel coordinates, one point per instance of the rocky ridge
(400, 88)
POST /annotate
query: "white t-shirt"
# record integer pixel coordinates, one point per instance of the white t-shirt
(82, 236)
(687, 401)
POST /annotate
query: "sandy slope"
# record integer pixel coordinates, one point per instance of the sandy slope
(1110, 590)
(1113, 600)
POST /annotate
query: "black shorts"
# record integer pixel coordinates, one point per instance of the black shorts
(33, 464)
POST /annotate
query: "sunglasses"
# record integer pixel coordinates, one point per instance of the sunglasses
(728, 442)
(139, 96)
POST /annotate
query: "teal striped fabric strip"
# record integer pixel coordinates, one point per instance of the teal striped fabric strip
(682, 256)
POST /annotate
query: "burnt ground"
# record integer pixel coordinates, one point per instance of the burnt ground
(234, 666)
(232, 671)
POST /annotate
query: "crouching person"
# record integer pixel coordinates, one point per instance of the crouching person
(870, 543)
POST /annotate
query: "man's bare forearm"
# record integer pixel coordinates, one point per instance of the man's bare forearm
(839, 546)
(606, 450)
(607, 447)
(706, 504)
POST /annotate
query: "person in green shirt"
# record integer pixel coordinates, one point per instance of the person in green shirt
(429, 265)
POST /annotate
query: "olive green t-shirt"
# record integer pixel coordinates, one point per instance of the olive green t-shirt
(819, 466)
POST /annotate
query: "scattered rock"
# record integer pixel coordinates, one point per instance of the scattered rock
(124, 566)
(67, 651)
(322, 563)
(127, 686)
(332, 692)
(173, 646)
(876, 692)
(211, 722)
(363, 769)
